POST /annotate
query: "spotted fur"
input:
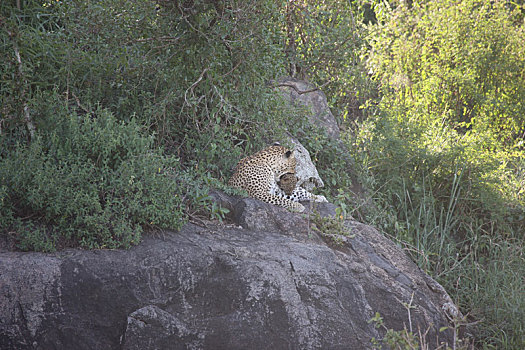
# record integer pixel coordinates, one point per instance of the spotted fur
(257, 175)
(300, 194)
(287, 188)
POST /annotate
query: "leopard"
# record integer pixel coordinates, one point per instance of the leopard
(257, 175)
(269, 175)
(288, 188)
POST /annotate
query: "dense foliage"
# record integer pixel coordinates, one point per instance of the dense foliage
(445, 149)
(195, 76)
(116, 116)
(88, 180)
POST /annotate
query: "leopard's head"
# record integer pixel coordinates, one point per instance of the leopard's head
(288, 182)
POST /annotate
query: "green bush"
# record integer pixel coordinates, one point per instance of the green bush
(196, 76)
(452, 78)
(444, 153)
(324, 41)
(90, 180)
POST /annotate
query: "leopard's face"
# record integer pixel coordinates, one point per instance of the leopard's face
(288, 183)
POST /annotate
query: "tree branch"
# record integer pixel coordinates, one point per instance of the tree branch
(29, 121)
(301, 92)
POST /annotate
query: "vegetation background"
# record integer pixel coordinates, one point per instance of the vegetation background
(115, 116)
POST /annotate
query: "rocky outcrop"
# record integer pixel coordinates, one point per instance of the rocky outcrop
(265, 281)
(306, 172)
(304, 94)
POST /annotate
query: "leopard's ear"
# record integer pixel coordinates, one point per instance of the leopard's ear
(288, 154)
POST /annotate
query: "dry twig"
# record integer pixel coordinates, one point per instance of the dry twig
(301, 92)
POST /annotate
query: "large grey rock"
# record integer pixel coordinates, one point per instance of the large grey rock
(306, 172)
(267, 281)
(305, 94)
(153, 328)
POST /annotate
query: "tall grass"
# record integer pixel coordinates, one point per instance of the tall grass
(483, 271)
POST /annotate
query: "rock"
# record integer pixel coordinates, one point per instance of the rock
(253, 214)
(303, 93)
(153, 328)
(324, 209)
(271, 284)
(306, 172)
(293, 91)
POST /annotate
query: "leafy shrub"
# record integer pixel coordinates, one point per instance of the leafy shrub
(451, 77)
(92, 181)
(324, 41)
(444, 152)
(197, 76)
